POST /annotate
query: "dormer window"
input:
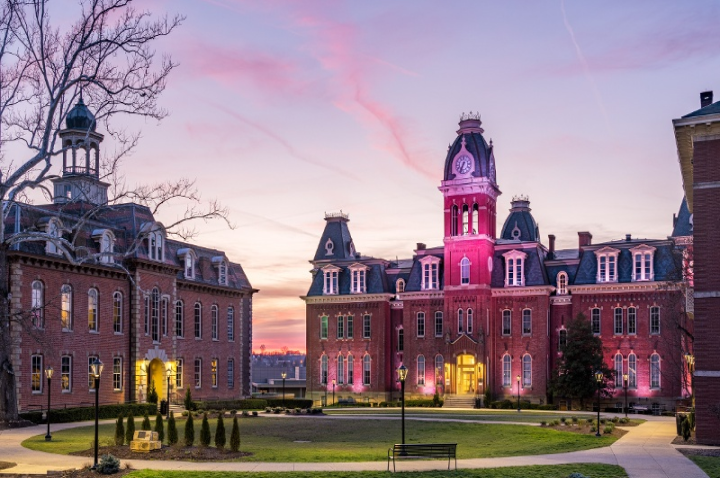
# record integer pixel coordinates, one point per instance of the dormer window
(222, 266)
(643, 263)
(430, 273)
(514, 268)
(106, 241)
(400, 286)
(607, 264)
(189, 259)
(330, 279)
(53, 229)
(562, 283)
(358, 275)
(155, 241)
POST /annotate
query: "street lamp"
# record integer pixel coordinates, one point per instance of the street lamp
(333, 402)
(169, 373)
(48, 374)
(599, 378)
(690, 359)
(625, 384)
(518, 389)
(283, 375)
(96, 368)
(402, 375)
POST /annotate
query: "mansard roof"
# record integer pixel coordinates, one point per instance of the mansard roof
(336, 242)
(682, 223)
(520, 224)
(534, 269)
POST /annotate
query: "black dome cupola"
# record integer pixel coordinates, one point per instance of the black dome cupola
(470, 155)
(80, 117)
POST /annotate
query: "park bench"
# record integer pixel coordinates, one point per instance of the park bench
(423, 450)
(638, 409)
(145, 441)
(346, 401)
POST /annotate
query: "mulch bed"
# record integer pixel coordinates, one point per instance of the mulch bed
(168, 453)
(699, 451)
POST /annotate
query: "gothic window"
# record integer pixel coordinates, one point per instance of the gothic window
(465, 271)
(526, 321)
(618, 371)
(632, 371)
(469, 327)
(562, 283)
(595, 321)
(38, 304)
(93, 310)
(654, 371)
(421, 370)
(421, 324)
(350, 369)
(506, 370)
(438, 324)
(655, 320)
(366, 370)
(643, 263)
(460, 320)
(66, 315)
(514, 265)
(340, 370)
(527, 371)
(607, 264)
(562, 339)
(618, 320)
(506, 321)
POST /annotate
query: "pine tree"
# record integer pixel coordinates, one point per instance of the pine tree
(130, 428)
(235, 436)
(189, 431)
(152, 393)
(119, 431)
(220, 432)
(159, 427)
(172, 430)
(188, 400)
(205, 436)
(146, 423)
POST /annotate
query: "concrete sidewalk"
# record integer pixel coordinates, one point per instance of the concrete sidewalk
(645, 452)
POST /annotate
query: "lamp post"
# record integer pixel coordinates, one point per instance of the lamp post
(518, 389)
(48, 374)
(690, 359)
(169, 373)
(598, 378)
(625, 384)
(283, 375)
(96, 368)
(333, 402)
(402, 375)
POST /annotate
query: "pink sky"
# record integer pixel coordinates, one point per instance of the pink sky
(284, 110)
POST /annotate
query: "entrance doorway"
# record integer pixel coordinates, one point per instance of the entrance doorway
(156, 378)
(468, 376)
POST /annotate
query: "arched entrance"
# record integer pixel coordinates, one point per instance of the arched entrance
(468, 376)
(156, 377)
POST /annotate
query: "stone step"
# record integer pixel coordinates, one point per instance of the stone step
(459, 401)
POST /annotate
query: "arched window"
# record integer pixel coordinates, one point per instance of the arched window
(439, 368)
(198, 320)
(179, 319)
(655, 371)
(156, 242)
(231, 324)
(562, 339)
(107, 247)
(526, 321)
(155, 314)
(400, 286)
(655, 320)
(421, 370)
(506, 370)
(465, 271)
(469, 327)
(214, 321)
(527, 370)
(632, 371)
(366, 370)
(475, 219)
(53, 230)
(350, 369)
(400, 339)
(506, 322)
(38, 304)
(465, 220)
(117, 312)
(66, 315)
(454, 221)
(340, 370)
(618, 321)
(460, 320)
(421, 324)
(562, 283)
(632, 320)
(324, 370)
(618, 370)
(595, 321)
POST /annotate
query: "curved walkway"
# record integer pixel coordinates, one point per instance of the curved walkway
(645, 452)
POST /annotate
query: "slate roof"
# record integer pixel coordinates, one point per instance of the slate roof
(336, 230)
(681, 223)
(376, 280)
(534, 268)
(480, 150)
(520, 224)
(712, 109)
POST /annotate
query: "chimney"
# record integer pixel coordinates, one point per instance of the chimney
(421, 246)
(584, 239)
(551, 246)
(628, 237)
(706, 98)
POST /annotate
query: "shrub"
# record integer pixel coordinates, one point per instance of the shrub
(189, 431)
(608, 429)
(245, 413)
(593, 429)
(691, 418)
(615, 419)
(146, 423)
(152, 393)
(130, 429)
(188, 401)
(160, 427)
(547, 407)
(686, 429)
(172, 430)
(543, 423)
(563, 420)
(78, 414)
(108, 465)
(574, 420)
(119, 431)
(220, 433)
(603, 421)
(436, 400)
(254, 413)
(235, 436)
(205, 432)
(624, 420)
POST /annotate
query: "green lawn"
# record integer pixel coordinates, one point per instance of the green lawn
(321, 439)
(550, 471)
(709, 464)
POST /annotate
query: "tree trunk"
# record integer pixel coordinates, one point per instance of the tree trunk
(8, 401)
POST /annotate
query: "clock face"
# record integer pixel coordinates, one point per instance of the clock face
(463, 164)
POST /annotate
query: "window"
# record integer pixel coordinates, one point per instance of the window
(506, 371)
(231, 373)
(324, 370)
(66, 373)
(562, 339)
(439, 368)
(506, 321)
(654, 371)
(107, 245)
(607, 264)
(340, 327)
(460, 320)
(155, 244)
(618, 320)
(465, 271)
(214, 373)
(189, 259)
(53, 230)
(632, 371)
(155, 301)
(421, 324)
(222, 273)
(527, 371)
(350, 369)
(357, 279)
(469, 328)
(147, 315)
(632, 320)
(595, 321)
(366, 326)
(324, 327)
(330, 280)
(198, 320)
(214, 322)
(401, 340)
(430, 270)
(36, 369)
(179, 373)
(514, 263)
(117, 312)
(164, 315)
(526, 321)
(349, 333)
(654, 320)
(179, 319)
(38, 304)
(475, 218)
(366, 370)
(642, 263)
(91, 378)
(66, 316)
(454, 221)
(562, 283)
(438, 324)
(231, 324)
(340, 370)
(198, 373)
(117, 373)
(421, 370)
(465, 221)
(618, 370)
(400, 286)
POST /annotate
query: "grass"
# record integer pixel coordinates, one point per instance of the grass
(319, 439)
(708, 464)
(548, 471)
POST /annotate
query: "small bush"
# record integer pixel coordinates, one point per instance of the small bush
(119, 431)
(686, 429)
(152, 394)
(235, 436)
(603, 421)
(615, 419)
(593, 429)
(108, 465)
(543, 423)
(160, 427)
(172, 430)
(220, 433)
(624, 420)
(189, 431)
(563, 420)
(130, 429)
(205, 432)
(146, 423)
(188, 401)
(254, 413)
(574, 420)
(608, 429)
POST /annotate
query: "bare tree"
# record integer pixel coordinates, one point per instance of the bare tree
(106, 59)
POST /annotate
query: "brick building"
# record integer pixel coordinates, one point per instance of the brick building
(154, 310)
(698, 143)
(487, 311)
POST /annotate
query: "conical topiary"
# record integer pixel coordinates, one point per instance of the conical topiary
(172, 430)
(189, 431)
(130, 429)
(220, 432)
(235, 436)
(146, 423)
(205, 431)
(120, 431)
(160, 427)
